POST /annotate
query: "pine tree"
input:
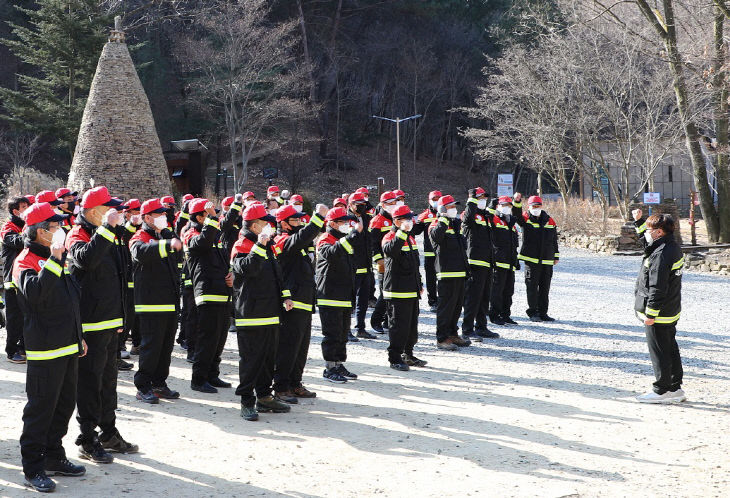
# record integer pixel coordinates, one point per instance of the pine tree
(60, 46)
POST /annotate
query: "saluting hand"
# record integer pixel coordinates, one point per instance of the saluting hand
(288, 304)
(322, 210)
(111, 217)
(175, 244)
(263, 238)
(57, 250)
(210, 208)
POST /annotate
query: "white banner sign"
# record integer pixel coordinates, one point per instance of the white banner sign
(505, 185)
(652, 198)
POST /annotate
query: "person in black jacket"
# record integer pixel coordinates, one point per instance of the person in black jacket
(335, 277)
(357, 208)
(402, 288)
(540, 253)
(452, 270)
(132, 222)
(157, 294)
(505, 242)
(231, 220)
(95, 262)
(49, 298)
(212, 282)
(291, 248)
(379, 225)
(424, 220)
(658, 304)
(260, 296)
(12, 244)
(477, 229)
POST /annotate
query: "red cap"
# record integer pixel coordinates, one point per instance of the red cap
(133, 204)
(338, 214)
(63, 192)
(272, 190)
(296, 198)
(31, 198)
(98, 196)
(479, 191)
(399, 193)
(434, 195)
(445, 200)
(187, 197)
(197, 206)
(505, 199)
(248, 194)
(535, 199)
(40, 212)
(403, 212)
(387, 196)
(339, 200)
(152, 206)
(287, 211)
(257, 211)
(357, 197)
(47, 196)
(168, 199)
(227, 201)
(362, 190)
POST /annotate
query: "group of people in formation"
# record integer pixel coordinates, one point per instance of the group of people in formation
(82, 274)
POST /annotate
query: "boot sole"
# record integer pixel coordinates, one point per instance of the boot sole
(66, 474)
(336, 381)
(262, 409)
(92, 459)
(40, 490)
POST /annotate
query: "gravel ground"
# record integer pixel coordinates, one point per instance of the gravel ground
(547, 410)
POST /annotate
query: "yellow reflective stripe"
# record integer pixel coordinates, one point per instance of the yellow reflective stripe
(506, 266)
(53, 267)
(679, 264)
(304, 253)
(450, 230)
(105, 325)
(253, 322)
(347, 246)
(651, 311)
(236, 207)
(301, 306)
(480, 222)
(334, 302)
(188, 283)
(376, 257)
(130, 227)
(52, 353)
(385, 229)
(153, 308)
(516, 204)
(502, 226)
(211, 298)
(549, 262)
(444, 220)
(180, 265)
(401, 235)
(213, 223)
(399, 295)
(667, 319)
(641, 228)
(557, 255)
(106, 233)
(472, 200)
(361, 270)
(317, 220)
(9, 285)
(549, 225)
(286, 293)
(450, 274)
(130, 285)
(479, 262)
(260, 251)
(277, 250)
(428, 220)
(429, 254)
(163, 248)
(184, 216)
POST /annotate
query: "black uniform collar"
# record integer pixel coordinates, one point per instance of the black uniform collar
(248, 234)
(151, 231)
(335, 233)
(86, 224)
(657, 243)
(38, 249)
(17, 221)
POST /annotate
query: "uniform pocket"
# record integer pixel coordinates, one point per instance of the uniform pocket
(36, 381)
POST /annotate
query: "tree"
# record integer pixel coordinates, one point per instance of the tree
(61, 45)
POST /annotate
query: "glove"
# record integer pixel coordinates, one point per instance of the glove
(239, 199)
(472, 193)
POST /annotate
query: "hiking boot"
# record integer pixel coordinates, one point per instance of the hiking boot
(345, 372)
(64, 468)
(496, 320)
(40, 482)
(134, 350)
(401, 367)
(364, 334)
(471, 338)
(352, 338)
(93, 451)
(509, 321)
(462, 343)
(271, 404)
(487, 334)
(190, 357)
(547, 318)
(332, 375)
(17, 358)
(217, 382)
(117, 444)
(147, 397)
(205, 387)
(447, 345)
(535, 318)
(378, 329)
(303, 392)
(124, 366)
(249, 413)
(286, 397)
(412, 361)
(165, 392)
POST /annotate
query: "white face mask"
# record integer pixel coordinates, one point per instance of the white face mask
(399, 203)
(505, 209)
(406, 225)
(451, 212)
(298, 207)
(648, 237)
(434, 204)
(161, 222)
(481, 203)
(77, 209)
(535, 211)
(135, 219)
(389, 208)
(346, 228)
(59, 237)
(268, 230)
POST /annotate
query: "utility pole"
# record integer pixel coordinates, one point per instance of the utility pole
(397, 122)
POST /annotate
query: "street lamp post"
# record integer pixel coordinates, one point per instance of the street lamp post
(397, 122)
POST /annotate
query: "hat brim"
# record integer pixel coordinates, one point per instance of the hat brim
(268, 218)
(155, 211)
(57, 202)
(297, 215)
(58, 217)
(404, 217)
(113, 203)
(345, 218)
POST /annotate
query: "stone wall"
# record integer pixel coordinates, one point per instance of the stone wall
(713, 261)
(595, 243)
(118, 144)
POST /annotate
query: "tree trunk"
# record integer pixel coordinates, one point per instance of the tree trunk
(719, 101)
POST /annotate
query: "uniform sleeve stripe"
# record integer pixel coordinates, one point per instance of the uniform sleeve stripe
(106, 233)
(53, 267)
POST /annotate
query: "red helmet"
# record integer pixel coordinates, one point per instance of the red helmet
(357, 197)
(168, 199)
(197, 206)
(535, 199)
(434, 195)
(98, 196)
(336, 214)
(403, 212)
(479, 191)
(362, 190)
(227, 201)
(505, 199)
(133, 204)
(272, 190)
(40, 212)
(339, 200)
(49, 197)
(152, 206)
(387, 196)
(187, 197)
(257, 211)
(399, 193)
(296, 198)
(287, 211)
(446, 200)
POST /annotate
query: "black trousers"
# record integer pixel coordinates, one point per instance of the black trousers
(379, 317)
(403, 332)
(335, 327)
(130, 320)
(477, 292)
(291, 355)
(188, 319)
(503, 288)
(429, 265)
(97, 384)
(158, 337)
(537, 280)
(451, 299)
(13, 324)
(51, 388)
(257, 351)
(213, 321)
(665, 359)
(362, 296)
